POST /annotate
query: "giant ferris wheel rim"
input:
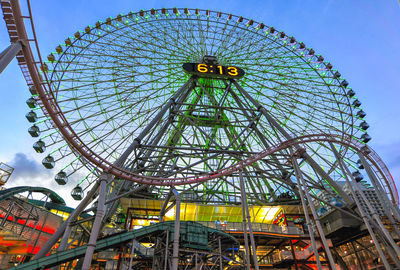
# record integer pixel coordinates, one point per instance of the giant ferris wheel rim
(69, 134)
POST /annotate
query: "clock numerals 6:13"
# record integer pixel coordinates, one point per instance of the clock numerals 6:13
(204, 68)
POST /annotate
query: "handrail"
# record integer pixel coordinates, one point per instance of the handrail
(257, 227)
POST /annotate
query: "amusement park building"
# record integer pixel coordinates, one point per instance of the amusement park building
(280, 231)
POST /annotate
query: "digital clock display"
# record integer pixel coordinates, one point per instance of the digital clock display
(212, 70)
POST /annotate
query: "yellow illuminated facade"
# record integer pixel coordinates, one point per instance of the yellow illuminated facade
(146, 212)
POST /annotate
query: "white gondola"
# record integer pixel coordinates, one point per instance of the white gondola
(39, 146)
(365, 137)
(48, 162)
(34, 131)
(31, 102)
(77, 193)
(61, 178)
(31, 116)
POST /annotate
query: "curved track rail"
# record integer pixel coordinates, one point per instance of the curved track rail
(54, 197)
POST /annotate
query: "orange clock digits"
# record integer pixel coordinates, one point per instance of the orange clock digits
(233, 71)
(220, 70)
(202, 68)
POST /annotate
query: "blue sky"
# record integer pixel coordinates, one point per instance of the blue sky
(361, 38)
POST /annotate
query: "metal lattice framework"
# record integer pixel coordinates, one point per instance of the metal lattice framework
(116, 106)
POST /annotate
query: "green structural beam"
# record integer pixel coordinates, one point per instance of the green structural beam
(54, 197)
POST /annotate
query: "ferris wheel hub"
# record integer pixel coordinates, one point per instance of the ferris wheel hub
(210, 60)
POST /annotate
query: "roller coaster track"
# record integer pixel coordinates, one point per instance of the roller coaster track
(54, 197)
(113, 241)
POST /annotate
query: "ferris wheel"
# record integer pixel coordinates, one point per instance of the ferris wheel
(120, 101)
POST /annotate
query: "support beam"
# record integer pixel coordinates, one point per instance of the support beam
(177, 224)
(132, 252)
(166, 250)
(303, 185)
(139, 188)
(220, 253)
(246, 239)
(176, 104)
(164, 206)
(8, 54)
(245, 210)
(91, 245)
(306, 213)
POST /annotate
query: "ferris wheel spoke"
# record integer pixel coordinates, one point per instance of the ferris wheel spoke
(305, 106)
(166, 36)
(116, 114)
